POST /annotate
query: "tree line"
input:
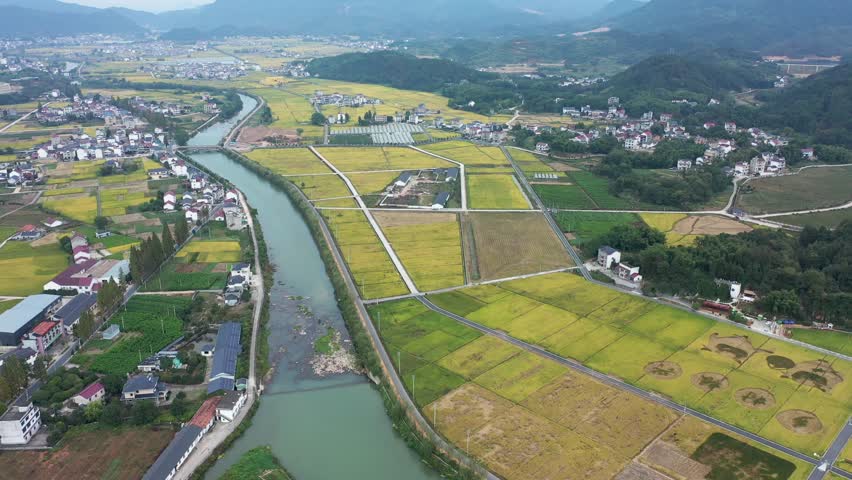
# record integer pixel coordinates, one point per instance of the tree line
(146, 258)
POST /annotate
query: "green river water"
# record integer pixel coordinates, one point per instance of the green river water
(320, 428)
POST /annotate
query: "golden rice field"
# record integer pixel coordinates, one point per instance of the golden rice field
(25, 269)
(363, 159)
(368, 261)
(665, 222)
(318, 187)
(495, 192)
(470, 154)
(372, 182)
(428, 245)
(289, 161)
(212, 251)
(84, 209)
(786, 393)
(115, 202)
(684, 230)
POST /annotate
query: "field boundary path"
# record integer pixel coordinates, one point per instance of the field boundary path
(222, 431)
(363, 207)
(614, 382)
(3, 130)
(32, 202)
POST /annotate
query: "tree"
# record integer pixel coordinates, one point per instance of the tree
(113, 413)
(65, 244)
(85, 326)
(181, 233)
(168, 241)
(318, 119)
(780, 302)
(179, 406)
(93, 411)
(101, 223)
(143, 412)
(113, 384)
(13, 379)
(40, 368)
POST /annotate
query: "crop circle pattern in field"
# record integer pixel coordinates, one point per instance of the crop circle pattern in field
(709, 381)
(664, 370)
(755, 398)
(799, 421)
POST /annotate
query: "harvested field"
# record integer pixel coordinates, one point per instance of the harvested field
(508, 244)
(637, 471)
(267, 135)
(92, 455)
(709, 225)
(671, 459)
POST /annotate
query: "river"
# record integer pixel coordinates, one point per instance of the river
(320, 428)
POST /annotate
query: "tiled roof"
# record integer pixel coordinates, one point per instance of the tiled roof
(42, 328)
(205, 413)
(91, 390)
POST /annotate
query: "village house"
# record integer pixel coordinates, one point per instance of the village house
(87, 276)
(230, 405)
(184, 442)
(144, 387)
(20, 422)
(92, 393)
(70, 313)
(20, 319)
(42, 336)
(27, 356)
(684, 165)
(542, 147)
(626, 272)
(608, 256)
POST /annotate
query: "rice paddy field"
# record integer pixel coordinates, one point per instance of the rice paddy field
(530, 163)
(684, 230)
(83, 208)
(318, 187)
(429, 246)
(500, 245)
(470, 154)
(495, 191)
(366, 159)
(25, 269)
(521, 415)
(289, 161)
(836, 341)
(116, 201)
(789, 394)
(290, 111)
(368, 261)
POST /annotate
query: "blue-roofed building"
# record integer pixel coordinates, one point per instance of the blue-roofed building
(144, 387)
(441, 200)
(21, 318)
(175, 454)
(71, 312)
(225, 358)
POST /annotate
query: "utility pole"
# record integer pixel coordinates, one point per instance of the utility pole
(398, 363)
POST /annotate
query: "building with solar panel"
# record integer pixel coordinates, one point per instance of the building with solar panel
(225, 355)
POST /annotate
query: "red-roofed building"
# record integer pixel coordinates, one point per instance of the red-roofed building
(92, 393)
(42, 336)
(81, 254)
(206, 414)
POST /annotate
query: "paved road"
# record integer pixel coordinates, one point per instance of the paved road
(409, 283)
(833, 453)
(614, 382)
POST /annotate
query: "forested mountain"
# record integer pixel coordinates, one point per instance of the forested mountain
(819, 105)
(16, 20)
(396, 70)
(700, 72)
(777, 26)
(616, 8)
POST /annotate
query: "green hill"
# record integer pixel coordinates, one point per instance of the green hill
(395, 70)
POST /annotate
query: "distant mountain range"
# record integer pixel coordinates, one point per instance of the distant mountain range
(51, 17)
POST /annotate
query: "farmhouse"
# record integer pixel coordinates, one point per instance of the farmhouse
(542, 147)
(626, 272)
(684, 165)
(87, 276)
(28, 233)
(42, 336)
(403, 179)
(225, 358)
(144, 387)
(21, 318)
(92, 393)
(608, 256)
(70, 313)
(440, 201)
(230, 406)
(20, 422)
(158, 173)
(452, 174)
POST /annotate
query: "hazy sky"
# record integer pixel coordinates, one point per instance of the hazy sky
(147, 5)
